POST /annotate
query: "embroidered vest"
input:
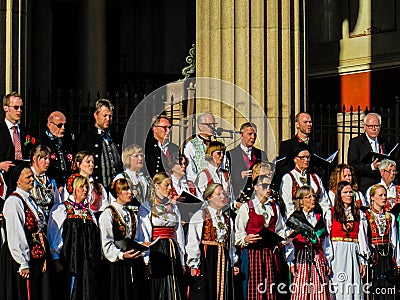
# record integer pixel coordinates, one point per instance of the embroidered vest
(198, 158)
(296, 185)
(71, 213)
(209, 233)
(119, 227)
(373, 230)
(337, 230)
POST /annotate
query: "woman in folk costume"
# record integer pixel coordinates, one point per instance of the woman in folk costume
(97, 196)
(45, 190)
(160, 223)
(132, 159)
(25, 261)
(176, 169)
(210, 248)
(310, 251)
(384, 246)
(214, 172)
(75, 242)
(347, 225)
(117, 228)
(261, 262)
(300, 176)
(344, 172)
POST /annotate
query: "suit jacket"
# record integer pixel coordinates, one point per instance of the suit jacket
(154, 157)
(68, 150)
(92, 141)
(359, 147)
(237, 165)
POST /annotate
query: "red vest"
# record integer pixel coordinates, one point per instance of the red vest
(337, 230)
(256, 222)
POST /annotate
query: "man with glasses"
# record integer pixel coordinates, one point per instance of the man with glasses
(194, 149)
(367, 172)
(387, 170)
(299, 176)
(15, 140)
(60, 142)
(158, 147)
(242, 159)
(99, 141)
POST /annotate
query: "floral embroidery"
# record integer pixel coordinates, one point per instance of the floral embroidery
(77, 214)
(29, 139)
(53, 156)
(70, 156)
(121, 226)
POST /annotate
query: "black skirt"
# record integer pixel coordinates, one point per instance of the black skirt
(13, 286)
(81, 253)
(167, 279)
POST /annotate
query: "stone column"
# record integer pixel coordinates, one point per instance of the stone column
(92, 48)
(260, 47)
(13, 24)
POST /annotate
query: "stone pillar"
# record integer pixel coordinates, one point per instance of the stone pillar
(92, 48)
(260, 47)
(13, 31)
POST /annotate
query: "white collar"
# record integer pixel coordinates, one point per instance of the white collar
(11, 125)
(246, 149)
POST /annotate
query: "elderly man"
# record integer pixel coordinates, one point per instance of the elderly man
(60, 143)
(194, 149)
(367, 172)
(242, 159)
(98, 140)
(387, 170)
(157, 147)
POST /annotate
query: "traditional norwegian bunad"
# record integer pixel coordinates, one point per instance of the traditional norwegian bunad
(310, 253)
(75, 240)
(260, 264)
(383, 240)
(210, 249)
(117, 223)
(213, 174)
(26, 246)
(97, 197)
(348, 241)
(162, 221)
(295, 179)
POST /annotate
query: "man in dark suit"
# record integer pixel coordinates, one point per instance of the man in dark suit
(367, 172)
(157, 147)
(61, 145)
(242, 158)
(15, 141)
(303, 124)
(98, 140)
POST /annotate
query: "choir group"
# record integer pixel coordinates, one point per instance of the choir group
(84, 221)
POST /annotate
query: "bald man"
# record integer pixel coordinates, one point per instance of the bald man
(61, 144)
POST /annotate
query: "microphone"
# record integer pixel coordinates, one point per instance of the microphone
(220, 130)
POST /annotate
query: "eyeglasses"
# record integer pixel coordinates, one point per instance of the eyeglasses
(59, 125)
(304, 157)
(165, 127)
(264, 185)
(373, 126)
(208, 124)
(16, 107)
(391, 171)
(219, 152)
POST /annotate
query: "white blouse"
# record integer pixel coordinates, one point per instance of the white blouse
(145, 227)
(195, 236)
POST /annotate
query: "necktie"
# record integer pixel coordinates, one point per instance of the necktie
(17, 144)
